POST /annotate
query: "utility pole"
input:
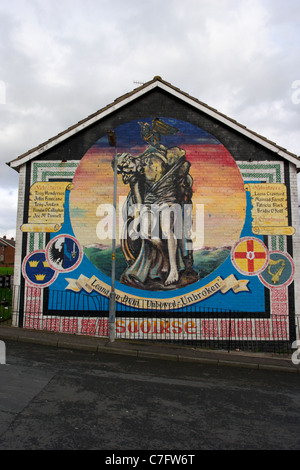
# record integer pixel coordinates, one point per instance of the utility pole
(112, 298)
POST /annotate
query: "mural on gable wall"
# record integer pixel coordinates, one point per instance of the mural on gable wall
(162, 163)
(190, 230)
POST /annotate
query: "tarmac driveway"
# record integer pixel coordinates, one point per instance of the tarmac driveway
(55, 398)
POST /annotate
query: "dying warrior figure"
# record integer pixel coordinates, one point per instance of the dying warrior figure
(158, 215)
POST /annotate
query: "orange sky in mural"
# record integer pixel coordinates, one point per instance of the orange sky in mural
(217, 183)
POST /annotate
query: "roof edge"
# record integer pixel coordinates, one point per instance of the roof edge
(118, 103)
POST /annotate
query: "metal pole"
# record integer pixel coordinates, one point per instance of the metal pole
(112, 298)
(229, 339)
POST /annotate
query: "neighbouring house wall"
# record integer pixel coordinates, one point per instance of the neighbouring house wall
(7, 253)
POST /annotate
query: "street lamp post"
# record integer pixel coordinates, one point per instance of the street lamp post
(112, 299)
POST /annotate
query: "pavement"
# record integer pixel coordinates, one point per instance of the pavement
(140, 349)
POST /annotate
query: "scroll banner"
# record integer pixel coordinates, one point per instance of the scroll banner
(218, 284)
(270, 211)
(46, 206)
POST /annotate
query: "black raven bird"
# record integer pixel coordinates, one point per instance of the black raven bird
(56, 252)
(152, 133)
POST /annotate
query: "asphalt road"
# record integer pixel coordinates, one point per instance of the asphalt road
(60, 399)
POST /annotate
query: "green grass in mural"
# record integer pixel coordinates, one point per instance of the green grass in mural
(102, 260)
(205, 260)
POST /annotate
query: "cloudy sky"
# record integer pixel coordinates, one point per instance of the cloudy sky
(61, 60)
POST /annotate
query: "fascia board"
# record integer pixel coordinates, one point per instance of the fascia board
(135, 95)
(235, 126)
(80, 127)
